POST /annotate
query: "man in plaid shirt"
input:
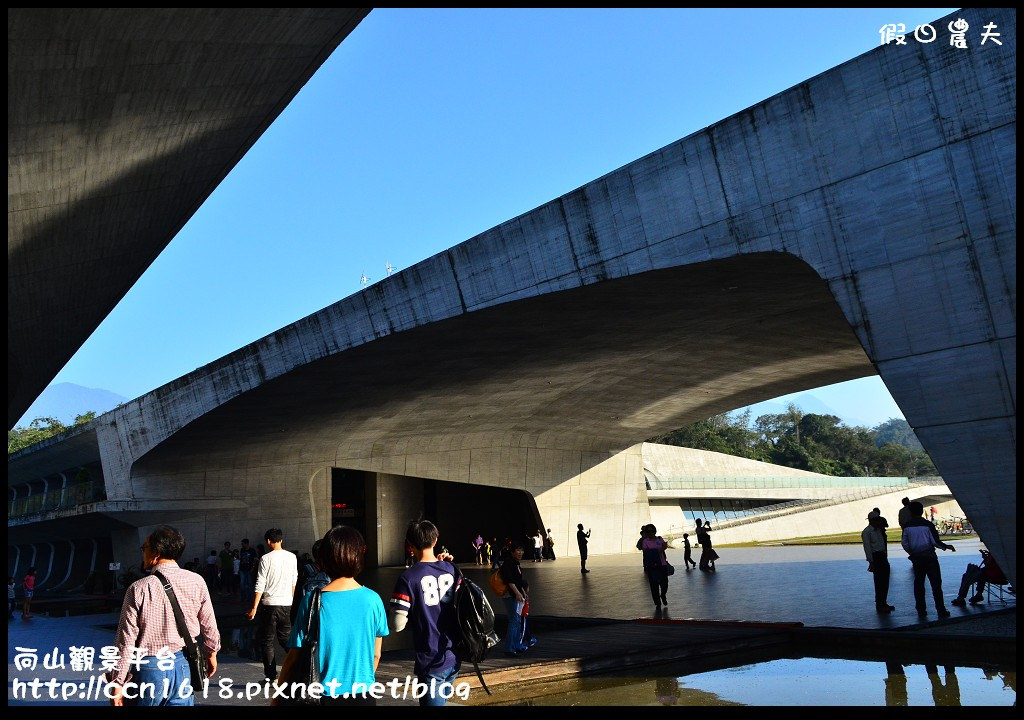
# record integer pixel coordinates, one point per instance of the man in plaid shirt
(148, 642)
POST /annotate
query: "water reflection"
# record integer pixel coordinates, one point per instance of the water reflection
(789, 681)
(895, 685)
(666, 691)
(947, 693)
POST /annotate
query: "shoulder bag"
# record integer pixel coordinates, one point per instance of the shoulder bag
(306, 670)
(193, 653)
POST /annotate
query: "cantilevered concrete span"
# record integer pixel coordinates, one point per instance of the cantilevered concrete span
(120, 123)
(861, 222)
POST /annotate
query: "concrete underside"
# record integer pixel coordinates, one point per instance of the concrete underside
(863, 221)
(120, 123)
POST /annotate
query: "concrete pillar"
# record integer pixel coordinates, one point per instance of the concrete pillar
(397, 500)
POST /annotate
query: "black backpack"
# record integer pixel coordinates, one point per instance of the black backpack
(474, 633)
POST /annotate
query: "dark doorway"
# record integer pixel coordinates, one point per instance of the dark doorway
(348, 498)
(461, 511)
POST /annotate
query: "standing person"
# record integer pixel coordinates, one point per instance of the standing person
(876, 552)
(920, 538)
(687, 555)
(582, 538)
(148, 621)
(538, 546)
(549, 546)
(423, 596)
(352, 623)
(497, 554)
(704, 540)
(272, 599)
(410, 554)
(655, 564)
(236, 572)
(226, 561)
(904, 517)
(515, 599)
(307, 569)
(12, 601)
(478, 549)
(246, 564)
(212, 570)
(709, 547)
(29, 588)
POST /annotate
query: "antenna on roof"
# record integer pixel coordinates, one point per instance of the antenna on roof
(364, 279)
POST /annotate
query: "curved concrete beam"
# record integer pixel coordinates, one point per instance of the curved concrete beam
(120, 123)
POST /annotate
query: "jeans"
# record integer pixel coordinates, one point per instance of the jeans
(972, 575)
(163, 687)
(271, 621)
(514, 636)
(657, 578)
(245, 582)
(927, 565)
(441, 678)
(880, 571)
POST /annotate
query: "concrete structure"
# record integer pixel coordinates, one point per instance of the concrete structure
(863, 221)
(120, 123)
(751, 501)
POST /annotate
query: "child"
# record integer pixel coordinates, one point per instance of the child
(29, 583)
(11, 602)
(687, 558)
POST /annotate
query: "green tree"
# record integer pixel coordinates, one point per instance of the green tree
(898, 432)
(41, 429)
(817, 443)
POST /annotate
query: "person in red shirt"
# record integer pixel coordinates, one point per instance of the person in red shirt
(30, 588)
(988, 571)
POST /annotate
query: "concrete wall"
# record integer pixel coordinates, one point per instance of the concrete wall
(834, 519)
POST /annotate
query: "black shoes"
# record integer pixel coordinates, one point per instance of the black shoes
(942, 612)
(977, 600)
(511, 654)
(959, 602)
(584, 570)
(885, 609)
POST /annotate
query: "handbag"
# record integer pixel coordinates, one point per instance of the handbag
(192, 652)
(669, 570)
(306, 670)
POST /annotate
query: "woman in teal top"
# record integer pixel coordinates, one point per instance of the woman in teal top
(352, 623)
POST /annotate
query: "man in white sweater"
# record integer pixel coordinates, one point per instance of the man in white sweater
(272, 601)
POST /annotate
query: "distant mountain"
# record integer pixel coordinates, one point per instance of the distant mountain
(65, 401)
(806, 402)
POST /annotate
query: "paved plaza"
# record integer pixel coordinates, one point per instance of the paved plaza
(818, 586)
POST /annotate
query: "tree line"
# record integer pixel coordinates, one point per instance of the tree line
(40, 429)
(806, 441)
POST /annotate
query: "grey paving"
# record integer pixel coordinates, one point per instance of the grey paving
(824, 586)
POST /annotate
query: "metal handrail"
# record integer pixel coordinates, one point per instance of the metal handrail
(64, 499)
(794, 506)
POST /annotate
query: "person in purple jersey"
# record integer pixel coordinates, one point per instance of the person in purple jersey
(423, 597)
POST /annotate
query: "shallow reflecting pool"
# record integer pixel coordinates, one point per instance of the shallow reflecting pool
(789, 681)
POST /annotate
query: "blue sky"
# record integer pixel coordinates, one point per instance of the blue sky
(427, 127)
